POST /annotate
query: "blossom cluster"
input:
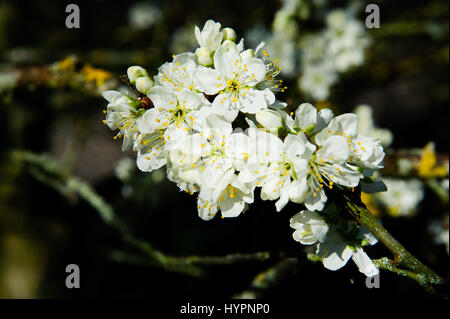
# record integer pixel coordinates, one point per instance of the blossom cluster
(189, 118)
(322, 55)
(337, 240)
(335, 50)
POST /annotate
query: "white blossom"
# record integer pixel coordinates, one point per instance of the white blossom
(439, 229)
(124, 168)
(309, 227)
(210, 36)
(144, 15)
(178, 74)
(402, 196)
(335, 252)
(234, 80)
(367, 126)
(122, 112)
(330, 52)
(171, 118)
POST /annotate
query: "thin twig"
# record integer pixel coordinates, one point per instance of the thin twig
(269, 278)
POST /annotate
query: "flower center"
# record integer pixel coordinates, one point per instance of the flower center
(233, 85)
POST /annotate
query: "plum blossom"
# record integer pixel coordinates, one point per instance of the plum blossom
(171, 118)
(309, 227)
(335, 252)
(334, 248)
(234, 82)
(122, 112)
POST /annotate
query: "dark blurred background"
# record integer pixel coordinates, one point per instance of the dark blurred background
(404, 79)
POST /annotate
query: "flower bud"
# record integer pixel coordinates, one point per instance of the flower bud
(270, 120)
(204, 56)
(228, 42)
(134, 72)
(228, 34)
(247, 54)
(143, 84)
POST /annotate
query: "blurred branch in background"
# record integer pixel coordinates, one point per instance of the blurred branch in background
(48, 171)
(70, 72)
(269, 278)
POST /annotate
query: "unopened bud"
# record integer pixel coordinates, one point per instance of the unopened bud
(143, 84)
(204, 56)
(269, 119)
(134, 72)
(247, 54)
(228, 34)
(228, 43)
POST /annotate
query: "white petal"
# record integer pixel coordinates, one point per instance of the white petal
(206, 209)
(364, 263)
(323, 118)
(150, 121)
(162, 97)
(189, 99)
(256, 69)
(226, 59)
(348, 123)
(320, 231)
(245, 176)
(284, 197)
(277, 104)
(294, 147)
(186, 60)
(268, 148)
(318, 201)
(111, 95)
(259, 47)
(148, 163)
(225, 109)
(252, 102)
(269, 119)
(334, 150)
(305, 116)
(209, 80)
(231, 207)
(298, 190)
(271, 189)
(335, 254)
(198, 36)
(342, 175)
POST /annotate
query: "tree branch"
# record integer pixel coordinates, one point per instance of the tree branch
(402, 257)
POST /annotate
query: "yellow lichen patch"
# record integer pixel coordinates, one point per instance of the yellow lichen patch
(68, 64)
(96, 75)
(427, 166)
